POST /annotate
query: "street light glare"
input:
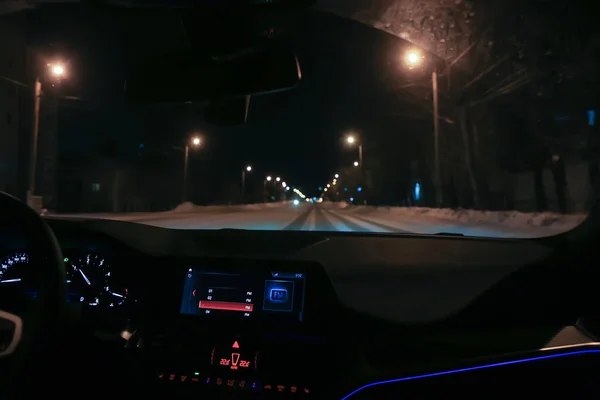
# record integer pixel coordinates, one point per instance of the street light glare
(278, 179)
(58, 70)
(412, 57)
(337, 176)
(269, 178)
(356, 163)
(283, 184)
(196, 141)
(248, 168)
(351, 139)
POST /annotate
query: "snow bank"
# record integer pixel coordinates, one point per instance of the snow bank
(506, 218)
(189, 207)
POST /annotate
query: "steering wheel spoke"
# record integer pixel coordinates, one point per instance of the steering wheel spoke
(31, 305)
(11, 330)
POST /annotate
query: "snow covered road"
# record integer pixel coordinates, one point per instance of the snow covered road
(344, 218)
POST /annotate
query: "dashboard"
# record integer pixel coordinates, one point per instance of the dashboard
(246, 314)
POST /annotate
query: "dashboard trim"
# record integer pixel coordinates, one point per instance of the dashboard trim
(571, 352)
(17, 334)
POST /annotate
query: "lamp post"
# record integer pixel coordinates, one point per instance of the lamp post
(247, 169)
(195, 141)
(57, 71)
(414, 58)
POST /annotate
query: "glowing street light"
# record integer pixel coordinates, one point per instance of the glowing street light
(356, 163)
(194, 141)
(353, 140)
(278, 179)
(413, 58)
(58, 70)
(337, 176)
(283, 184)
(328, 185)
(265, 194)
(247, 169)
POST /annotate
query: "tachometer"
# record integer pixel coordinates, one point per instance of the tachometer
(92, 274)
(9, 274)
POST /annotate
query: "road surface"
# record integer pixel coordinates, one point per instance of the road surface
(306, 217)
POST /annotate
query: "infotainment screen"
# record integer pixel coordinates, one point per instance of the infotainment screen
(262, 294)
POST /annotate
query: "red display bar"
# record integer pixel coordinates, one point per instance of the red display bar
(226, 305)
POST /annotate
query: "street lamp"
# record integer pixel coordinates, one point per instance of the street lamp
(247, 169)
(278, 179)
(337, 176)
(58, 71)
(414, 58)
(267, 179)
(195, 141)
(353, 140)
(356, 164)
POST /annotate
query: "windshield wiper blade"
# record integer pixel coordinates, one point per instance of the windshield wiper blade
(449, 234)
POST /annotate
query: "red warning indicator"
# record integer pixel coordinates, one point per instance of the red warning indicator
(236, 345)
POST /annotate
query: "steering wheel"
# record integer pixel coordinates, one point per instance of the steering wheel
(32, 307)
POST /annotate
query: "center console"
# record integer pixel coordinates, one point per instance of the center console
(241, 328)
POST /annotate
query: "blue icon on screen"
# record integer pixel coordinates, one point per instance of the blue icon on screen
(279, 296)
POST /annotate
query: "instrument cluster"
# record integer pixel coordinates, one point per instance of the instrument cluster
(90, 278)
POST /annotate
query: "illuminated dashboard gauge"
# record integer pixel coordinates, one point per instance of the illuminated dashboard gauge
(9, 274)
(91, 274)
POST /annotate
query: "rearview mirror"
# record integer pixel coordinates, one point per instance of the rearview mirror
(190, 76)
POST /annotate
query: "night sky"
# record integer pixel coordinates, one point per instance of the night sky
(297, 134)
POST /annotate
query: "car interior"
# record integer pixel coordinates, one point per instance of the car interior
(92, 307)
(123, 309)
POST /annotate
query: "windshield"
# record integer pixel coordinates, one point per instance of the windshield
(465, 118)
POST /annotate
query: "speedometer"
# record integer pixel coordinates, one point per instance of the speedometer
(8, 272)
(92, 274)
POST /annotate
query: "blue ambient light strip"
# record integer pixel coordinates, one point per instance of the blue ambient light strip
(455, 371)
